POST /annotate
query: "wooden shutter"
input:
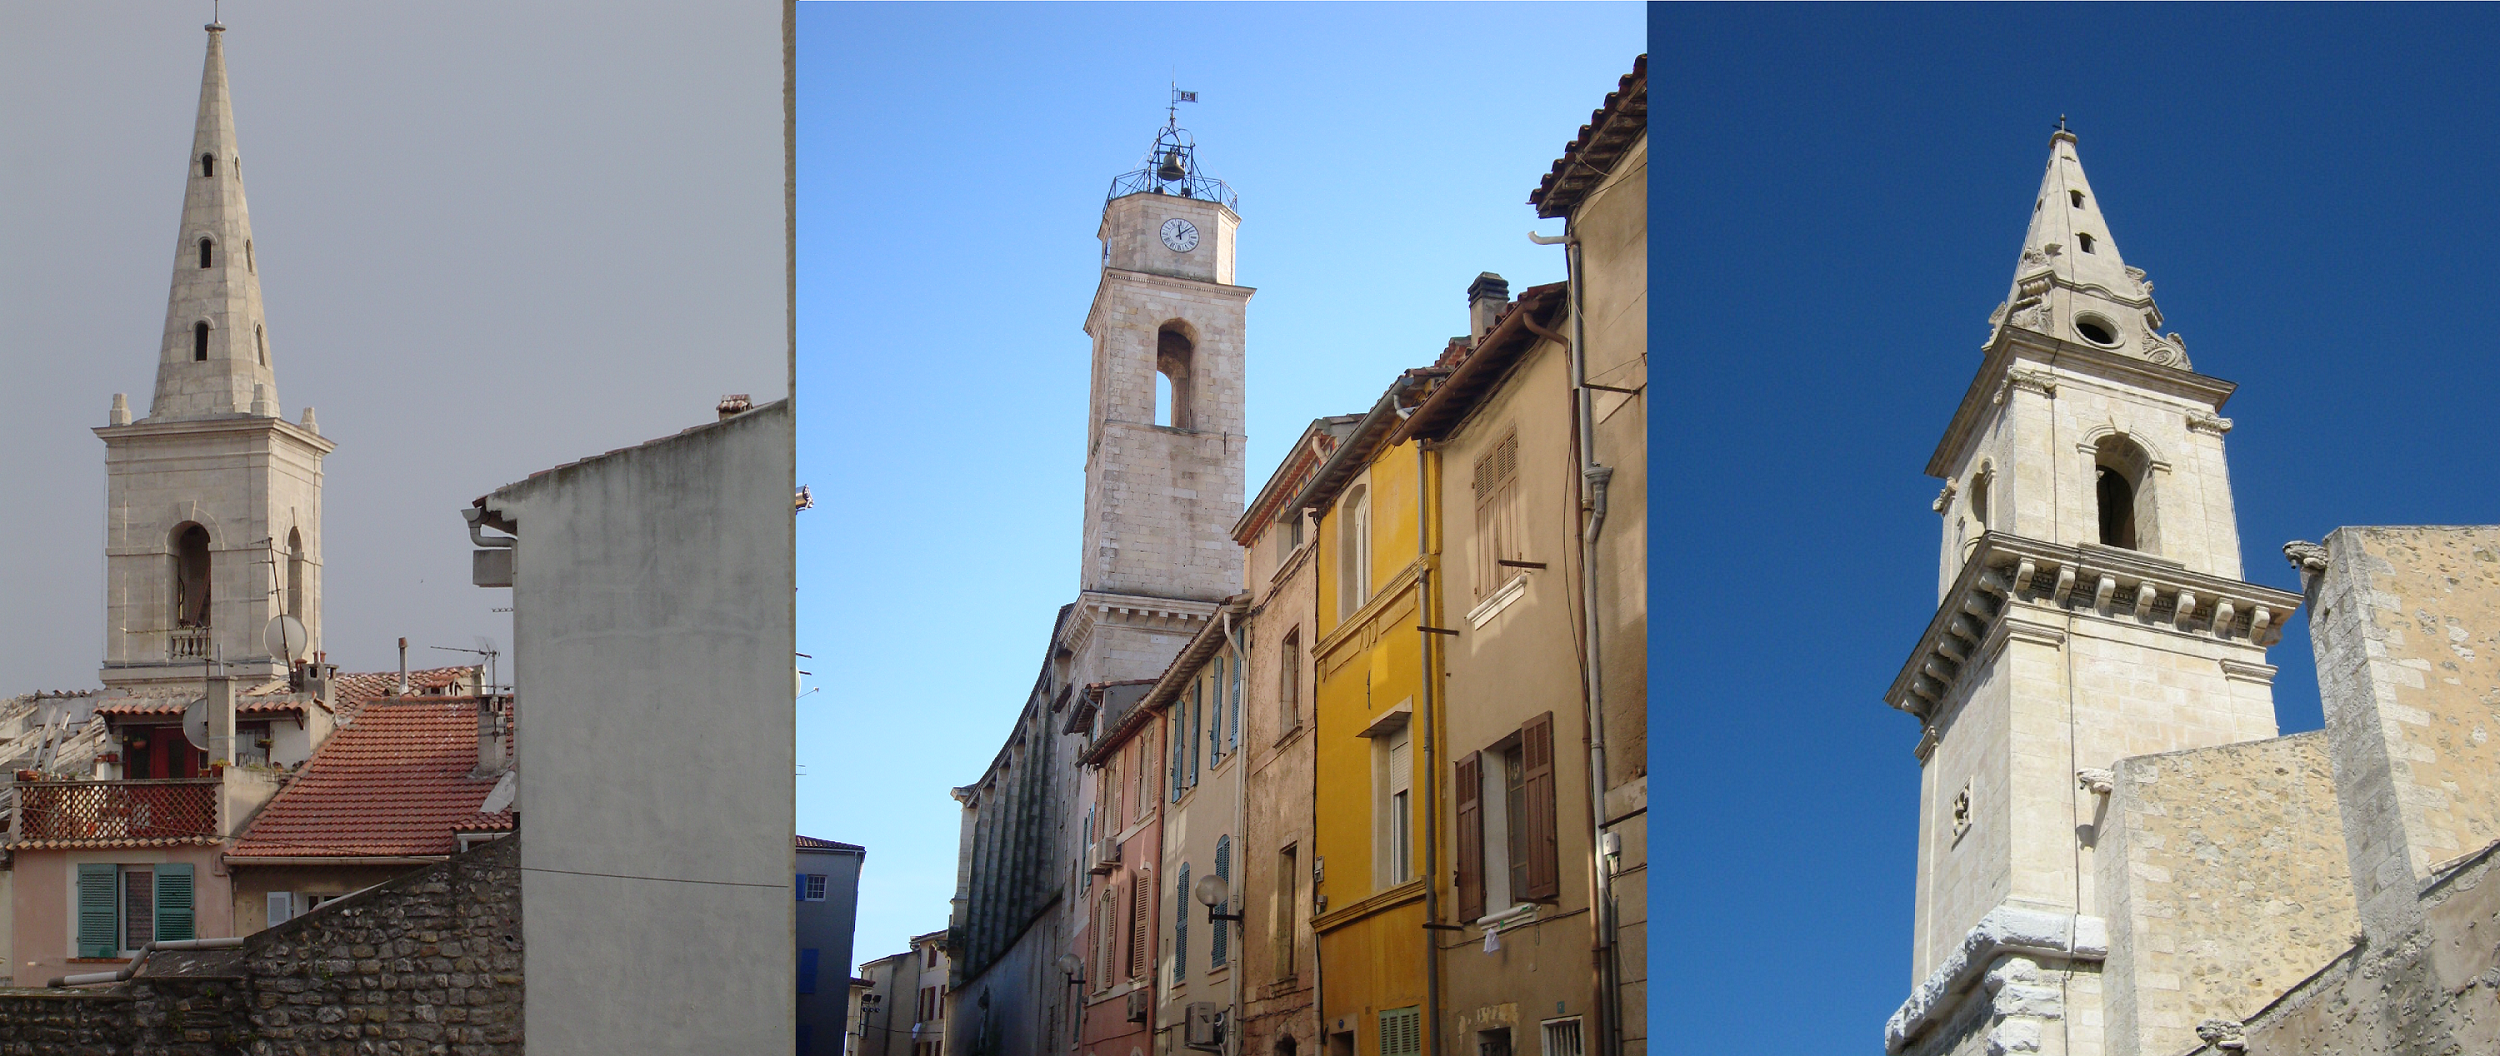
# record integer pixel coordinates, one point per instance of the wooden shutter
(98, 922)
(1401, 1032)
(175, 915)
(1138, 923)
(1544, 852)
(807, 971)
(1180, 927)
(1470, 794)
(1219, 935)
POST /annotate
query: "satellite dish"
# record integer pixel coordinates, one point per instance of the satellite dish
(195, 723)
(285, 637)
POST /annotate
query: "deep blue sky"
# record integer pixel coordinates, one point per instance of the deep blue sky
(1841, 193)
(952, 166)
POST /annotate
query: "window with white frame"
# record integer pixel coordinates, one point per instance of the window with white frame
(811, 887)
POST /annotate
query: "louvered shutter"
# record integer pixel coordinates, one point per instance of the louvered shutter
(1536, 750)
(1197, 722)
(1244, 661)
(1180, 928)
(1180, 748)
(1215, 730)
(97, 919)
(1219, 938)
(1138, 924)
(281, 907)
(1470, 794)
(1401, 1032)
(175, 915)
(807, 971)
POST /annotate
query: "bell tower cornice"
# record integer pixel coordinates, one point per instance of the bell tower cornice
(2036, 362)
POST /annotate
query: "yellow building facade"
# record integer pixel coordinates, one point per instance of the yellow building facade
(1375, 758)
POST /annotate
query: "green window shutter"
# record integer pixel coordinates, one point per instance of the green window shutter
(98, 919)
(174, 914)
(1401, 1032)
(1219, 935)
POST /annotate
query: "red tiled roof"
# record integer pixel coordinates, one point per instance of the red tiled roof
(1612, 127)
(810, 843)
(349, 693)
(394, 781)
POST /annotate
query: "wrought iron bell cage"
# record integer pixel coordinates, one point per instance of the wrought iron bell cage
(1172, 168)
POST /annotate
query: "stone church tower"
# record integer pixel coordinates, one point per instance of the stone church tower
(213, 509)
(2091, 607)
(1164, 441)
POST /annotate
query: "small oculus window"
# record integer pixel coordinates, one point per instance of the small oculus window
(2097, 330)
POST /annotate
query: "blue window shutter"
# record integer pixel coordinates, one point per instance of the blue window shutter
(98, 919)
(807, 971)
(1197, 722)
(799, 887)
(1215, 730)
(1179, 748)
(1218, 939)
(1180, 929)
(174, 913)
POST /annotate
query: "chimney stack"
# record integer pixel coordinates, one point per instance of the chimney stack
(1486, 297)
(490, 756)
(403, 668)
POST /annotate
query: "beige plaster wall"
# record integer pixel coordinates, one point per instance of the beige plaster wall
(2222, 879)
(1277, 990)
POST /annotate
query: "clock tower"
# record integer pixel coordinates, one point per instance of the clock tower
(1164, 443)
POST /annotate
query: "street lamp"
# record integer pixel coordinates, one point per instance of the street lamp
(1212, 891)
(1072, 967)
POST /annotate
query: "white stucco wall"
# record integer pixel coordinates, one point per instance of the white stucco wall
(653, 599)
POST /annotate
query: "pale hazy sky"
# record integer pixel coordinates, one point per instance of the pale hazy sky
(496, 238)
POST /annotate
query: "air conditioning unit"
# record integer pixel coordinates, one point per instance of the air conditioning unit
(1140, 1001)
(1104, 857)
(1205, 1026)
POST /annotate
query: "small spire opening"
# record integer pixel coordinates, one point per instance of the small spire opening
(208, 165)
(199, 342)
(260, 338)
(2077, 197)
(206, 248)
(2084, 242)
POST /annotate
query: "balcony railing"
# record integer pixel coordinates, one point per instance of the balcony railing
(187, 643)
(104, 812)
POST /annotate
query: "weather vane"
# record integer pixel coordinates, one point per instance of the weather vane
(1172, 111)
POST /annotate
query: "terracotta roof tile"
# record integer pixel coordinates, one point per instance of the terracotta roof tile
(350, 692)
(394, 781)
(1585, 162)
(811, 843)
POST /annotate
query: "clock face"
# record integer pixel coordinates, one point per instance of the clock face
(1180, 235)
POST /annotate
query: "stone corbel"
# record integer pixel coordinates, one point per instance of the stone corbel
(2101, 592)
(2208, 423)
(2145, 594)
(2038, 381)
(2186, 613)
(2223, 611)
(1943, 498)
(2065, 584)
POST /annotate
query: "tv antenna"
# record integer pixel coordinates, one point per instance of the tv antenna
(485, 648)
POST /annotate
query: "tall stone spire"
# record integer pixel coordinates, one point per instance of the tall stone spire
(2070, 281)
(215, 359)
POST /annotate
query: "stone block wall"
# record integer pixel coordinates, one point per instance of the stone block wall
(2406, 630)
(2222, 879)
(428, 963)
(2432, 991)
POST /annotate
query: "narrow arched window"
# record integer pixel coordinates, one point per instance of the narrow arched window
(295, 573)
(1173, 353)
(260, 339)
(191, 576)
(2121, 475)
(199, 342)
(205, 247)
(247, 258)
(208, 164)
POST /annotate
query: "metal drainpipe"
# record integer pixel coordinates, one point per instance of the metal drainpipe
(1594, 478)
(1425, 717)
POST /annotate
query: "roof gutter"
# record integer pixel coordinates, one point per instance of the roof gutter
(232, 860)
